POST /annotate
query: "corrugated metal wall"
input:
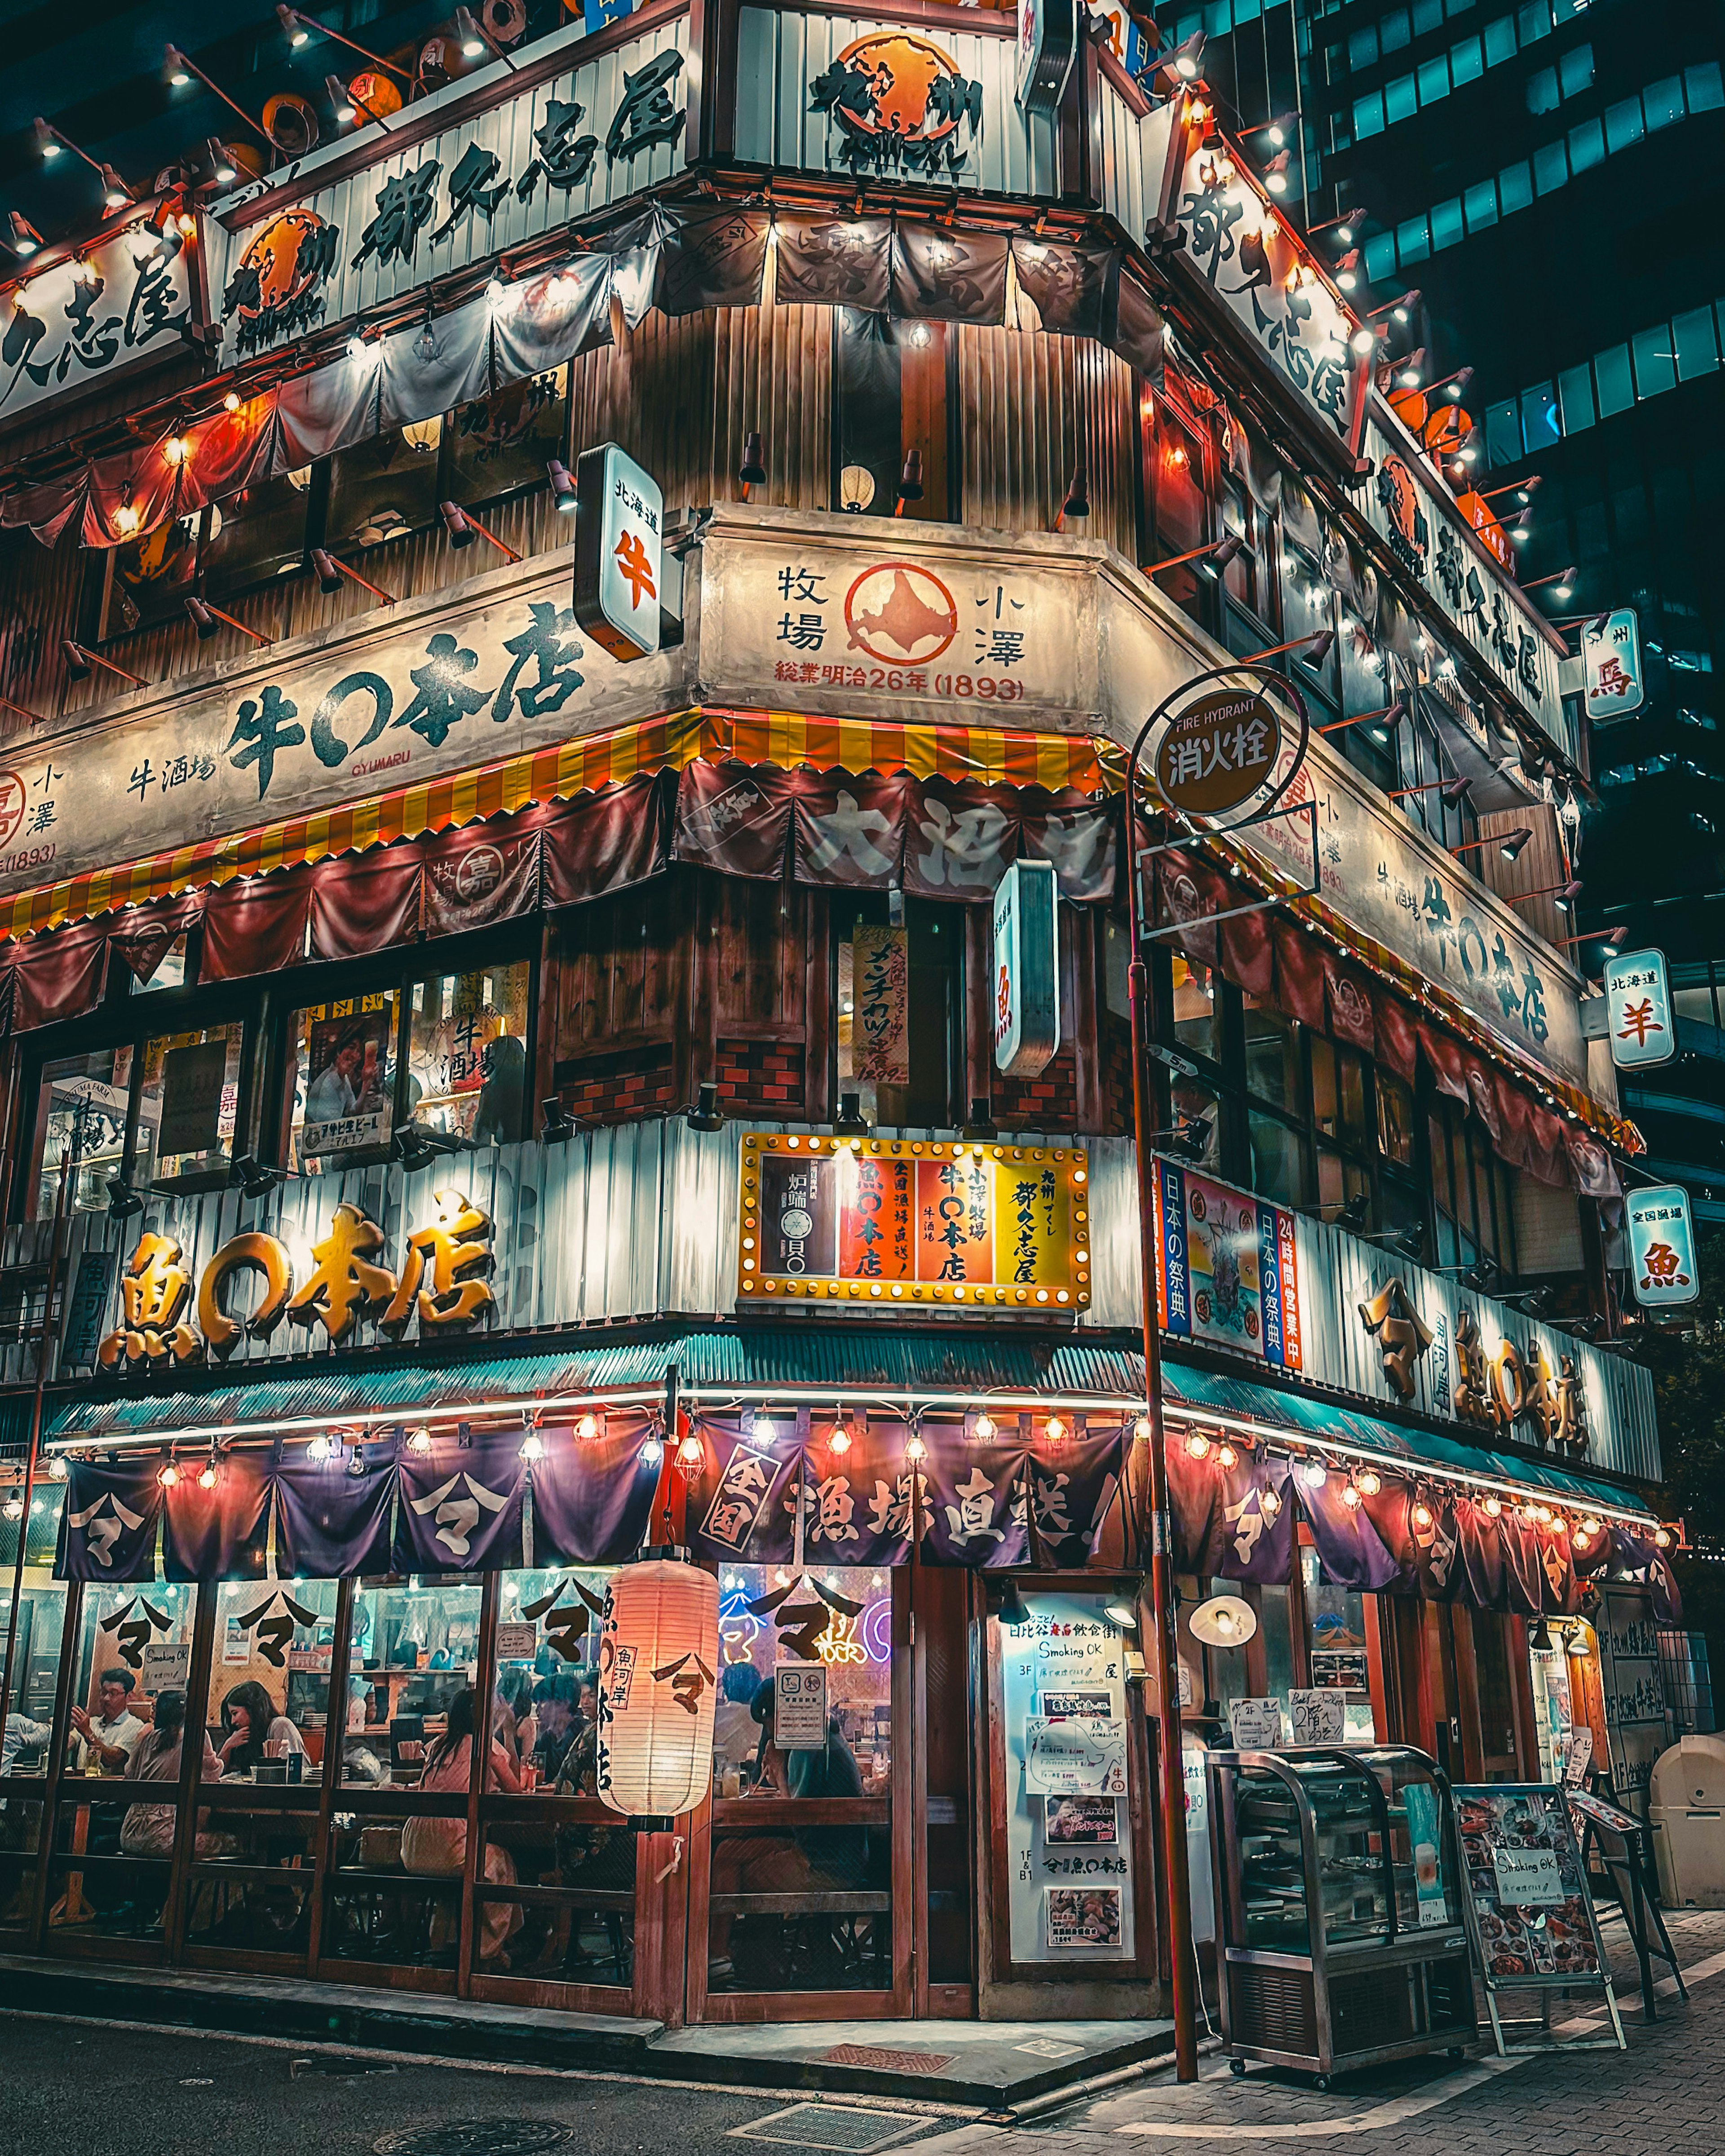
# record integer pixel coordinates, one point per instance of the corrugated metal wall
(1032, 406)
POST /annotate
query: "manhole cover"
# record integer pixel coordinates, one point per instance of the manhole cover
(897, 2062)
(474, 2137)
(834, 2125)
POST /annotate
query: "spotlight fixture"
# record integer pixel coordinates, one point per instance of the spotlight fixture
(339, 101)
(1539, 1639)
(473, 45)
(415, 1144)
(851, 1122)
(1352, 1213)
(752, 470)
(1363, 343)
(208, 619)
(221, 165)
(910, 483)
(706, 1114)
(24, 239)
(1013, 1609)
(79, 660)
(1077, 500)
(123, 1201)
(562, 486)
(464, 529)
(1225, 1620)
(329, 572)
(980, 1126)
(1121, 1613)
(558, 1126)
(252, 1179)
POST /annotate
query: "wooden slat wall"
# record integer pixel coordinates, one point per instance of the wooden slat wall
(39, 605)
(1031, 406)
(1539, 865)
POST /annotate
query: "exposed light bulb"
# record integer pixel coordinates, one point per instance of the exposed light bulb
(1662, 1537)
(1141, 1430)
(1590, 1525)
(420, 1442)
(1351, 1497)
(168, 1477)
(587, 1429)
(230, 402)
(1368, 1482)
(1197, 1445)
(207, 1480)
(984, 1428)
(320, 1447)
(689, 1452)
(915, 1449)
(839, 1442)
(533, 1447)
(1226, 1456)
(1055, 1430)
(652, 1451)
(1422, 1516)
(1270, 1503)
(13, 1507)
(1492, 1508)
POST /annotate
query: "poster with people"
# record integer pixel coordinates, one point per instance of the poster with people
(349, 1082)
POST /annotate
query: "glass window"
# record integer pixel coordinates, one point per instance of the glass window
(1341, 1182)
(1434, 79)
(1542, 91)
(80, 1113)
(773, 1871)
(340, 1083)
(1278, 1169)
(1272, 1053)
(269, 1682)
(1693, 343)
(1539, 417)
(1335, 1634)
(1193, 1102)
(1400, 99)
(1198, 1008)
(1623, 124)
(1587, 145)
(1480, 204)
(1411, 242)
(1446, 230)
(1551, 168)
(1467, 62)
(1338, 1091)
(1655, 361)
(1395, 30)
(1180, 508)
(190, 1105)
(384, 489)
(1515, 188)
(500, 445)
(1534, 22)
(1612, 380)
(1380, 255)
(1575, 399)
(255, 536)
(1428, 16)
(1395, 1118)
(414, 1647)
(1500, 41)
(1362, 47)
(1704, 89)
(1663, 102)
(467, 1053)
(1575, 70)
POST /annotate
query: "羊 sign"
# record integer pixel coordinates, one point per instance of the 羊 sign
(1638, 1005)
(1218, 752)
(1663, 1269)
(601, 129)
(883, 1223)
(1027, 968)
(90, 319)
(619, 548)
(1613, 687)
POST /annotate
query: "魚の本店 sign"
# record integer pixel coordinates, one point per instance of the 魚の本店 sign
(884, 1223)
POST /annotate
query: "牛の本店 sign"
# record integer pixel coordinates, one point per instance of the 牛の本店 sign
(885, 1222)
(619, 551)
(1661, 1240)
(1027, 968)
(1637, 1002)
(1611, 667)
(93, 316)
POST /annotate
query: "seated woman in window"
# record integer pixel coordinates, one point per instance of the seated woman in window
(437, 1848)
(499, 1115)
(255, 1731)
(148, 1830)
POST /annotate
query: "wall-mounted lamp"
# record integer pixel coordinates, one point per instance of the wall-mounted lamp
(464, 529)
(1221, 552)
(1509, 844)
(752, 470)
(562, 486)
(78, 662)
(329, 572)
(207, 619)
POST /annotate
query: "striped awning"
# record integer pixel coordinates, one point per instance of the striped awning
(982, 754)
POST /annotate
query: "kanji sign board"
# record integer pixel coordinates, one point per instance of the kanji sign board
(619, 548)
(1613, 687)
(1661, 1240)
(1638, 999)
(1027, 968)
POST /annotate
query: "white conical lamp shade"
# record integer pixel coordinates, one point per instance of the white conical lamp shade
(658, 1664)
(1224, 1621)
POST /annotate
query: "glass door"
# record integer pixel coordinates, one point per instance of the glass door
(30, 1703)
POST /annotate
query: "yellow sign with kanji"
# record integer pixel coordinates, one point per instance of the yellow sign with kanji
(887, 1223)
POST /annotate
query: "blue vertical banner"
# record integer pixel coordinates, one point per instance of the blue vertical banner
(1270, 1306)
(1176, 1285)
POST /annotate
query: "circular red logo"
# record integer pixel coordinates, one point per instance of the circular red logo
(12, 805)
(900, 614)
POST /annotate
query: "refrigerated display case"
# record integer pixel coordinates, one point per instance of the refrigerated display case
(1339, 1922)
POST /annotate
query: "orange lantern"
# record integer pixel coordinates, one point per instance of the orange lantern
(375, 95)
(659, 1662)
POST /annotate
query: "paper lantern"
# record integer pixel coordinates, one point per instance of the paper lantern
(659, 1662)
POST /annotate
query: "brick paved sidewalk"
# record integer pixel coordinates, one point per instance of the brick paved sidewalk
(1664, 2096)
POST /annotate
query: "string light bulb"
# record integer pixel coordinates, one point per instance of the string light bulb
(1492, 1507)
(587, 1428)
(1270, 1503)
(1662, 1537)
(533, 1447)
(1590, 1525)
(1368, 1482)
(1226, 1456)
(839, 1441)
(983, 1427)
(915, 1449)
(419, 1443)
(321, 1447)
(1197, 1445)
(1351, 1496)
(1055, 1430)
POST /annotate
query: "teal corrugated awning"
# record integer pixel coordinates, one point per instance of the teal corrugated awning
(1302, 1415)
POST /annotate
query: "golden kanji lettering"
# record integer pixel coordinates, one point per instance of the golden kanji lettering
(347, 1286)
(256, 1252)
(154, 1290)
(445, 1273)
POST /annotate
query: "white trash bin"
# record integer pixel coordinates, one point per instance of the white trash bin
(1685, 1810)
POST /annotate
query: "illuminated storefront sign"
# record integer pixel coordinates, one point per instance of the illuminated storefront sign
(1230, 1273)
(1027, 968)
(879, 1224)
(1613, 687)
(1638, 1005)
(1663, 1268)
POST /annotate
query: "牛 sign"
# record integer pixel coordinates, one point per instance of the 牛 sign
(619, 551)
(879, 1224)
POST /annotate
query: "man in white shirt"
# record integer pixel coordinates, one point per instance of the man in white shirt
(105, 1741)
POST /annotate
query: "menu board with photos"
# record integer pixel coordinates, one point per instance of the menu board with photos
(1529, 1910)
(1069, 1837)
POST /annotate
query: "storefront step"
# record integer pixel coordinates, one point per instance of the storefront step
(994, 2066)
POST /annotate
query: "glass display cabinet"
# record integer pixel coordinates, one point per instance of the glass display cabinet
(1339, 1924)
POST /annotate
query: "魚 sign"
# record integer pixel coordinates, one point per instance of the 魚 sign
(1661, 1240)
(1611, 667)
(1027, 968)
(1638, 1000)
(619, 551)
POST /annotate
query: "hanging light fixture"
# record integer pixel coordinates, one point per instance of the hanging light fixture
(1197, 1445)
(690, 1454)
(168, 1475)
(587, 1427)
(1351, 1496)
(206, 1479)
(320, 1447)
(419, 1443)
(652, 1448)
(915, 1450)
(1270, 1502)
(533, 1447)
(1368, 1481)
(1226, 1456)
(659, 1659)
(1492, 1506)
(983, 1428)
(1055, 1430)
(839, 1439)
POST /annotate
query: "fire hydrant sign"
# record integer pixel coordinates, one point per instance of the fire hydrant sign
(619, 543)
(1638, 999)
(1662, 1240)
(799, 1707)
(1075, 1756)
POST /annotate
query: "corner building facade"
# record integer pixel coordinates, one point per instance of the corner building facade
(474, 1106)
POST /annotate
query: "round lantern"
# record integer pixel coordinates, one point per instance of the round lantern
(659, 1666)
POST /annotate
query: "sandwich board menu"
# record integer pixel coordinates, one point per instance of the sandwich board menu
(1530, 1915)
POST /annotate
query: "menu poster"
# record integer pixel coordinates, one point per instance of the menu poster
(1318, 1716)
(1256, 1724)
(1528, 1906)
(1079, 1819)
(1077, 1755)
(1084, 1917)
(1578, 1754)
(1598, 1812)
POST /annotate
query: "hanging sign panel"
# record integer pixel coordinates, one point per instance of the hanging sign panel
(619, 551)
(1663, 1268)
(1638, 999)
(1229, 1271)
(1613, 687)
(882, 1223)
(1048, 39)
(1027, 968)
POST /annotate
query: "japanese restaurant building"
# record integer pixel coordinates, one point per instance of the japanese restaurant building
(476, 1104)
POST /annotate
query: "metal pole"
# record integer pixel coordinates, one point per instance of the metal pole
(1164, 1661)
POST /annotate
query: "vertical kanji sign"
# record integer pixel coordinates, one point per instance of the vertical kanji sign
(619, 544)
(1661, 1241)
(1611, 667)
(1027, 968)
(1638, 1003)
